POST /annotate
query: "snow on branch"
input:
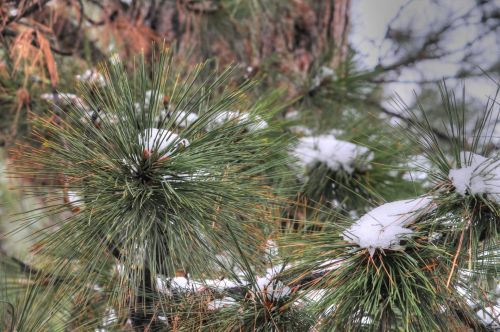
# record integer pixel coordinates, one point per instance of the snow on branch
(478, 175)
(384, 226)
(267, 286)
(64, 99)
(161, 140)
(336, 154)
(92, 76)
(241, 117)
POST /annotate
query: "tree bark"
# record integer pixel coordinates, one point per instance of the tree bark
(296, 33)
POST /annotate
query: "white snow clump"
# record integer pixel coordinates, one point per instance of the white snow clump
(185, 119)
(74, 199)
(272, 289)
(220, 303)
(323, 74)
(92, 76)
(336, 154)
(227, 116)
(490, 316)
(271, 249)
(64, 99)
(161, 140)
(148, 96)
(478, 175)
(384, 226)
(177, 284)
(115, 59)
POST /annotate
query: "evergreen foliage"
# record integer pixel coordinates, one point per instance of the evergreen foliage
(156, 190)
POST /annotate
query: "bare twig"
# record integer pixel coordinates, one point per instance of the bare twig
(38, 5)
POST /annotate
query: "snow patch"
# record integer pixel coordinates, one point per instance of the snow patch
(292, 115)
(274, 290)
(301, 130)
(384, 226)
(74, 199)
(110, 318)
(222, 118)
(417, 165)
(64, 99)
(161, 140)
(177, 284)
(272, 250)
(185, 119)
(270, 287)
(336, 154)
(478, 175)
(258, 124)
(115, 59)
(490, 316)
(220, 284)
(150, 94)
(324, 73)
(220, 303)
(92, 76)
(226, 116)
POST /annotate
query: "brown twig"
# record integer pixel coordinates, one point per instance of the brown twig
(38, 5)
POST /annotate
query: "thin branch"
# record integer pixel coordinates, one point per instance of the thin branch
(410, 122)
(38, 5)
(31, 271)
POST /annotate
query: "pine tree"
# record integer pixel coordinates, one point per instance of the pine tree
(170, 193)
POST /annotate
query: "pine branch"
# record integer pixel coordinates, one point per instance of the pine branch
(142, 319)
(156, 193)
(33, 272)
(411, 122)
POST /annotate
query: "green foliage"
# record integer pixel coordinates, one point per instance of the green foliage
(380, 179)
(179, 174)
(159, 204)
(470, 221)
(423, 285)
(400, 289)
